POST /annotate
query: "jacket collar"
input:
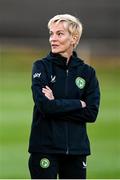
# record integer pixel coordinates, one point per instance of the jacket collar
(61, 61)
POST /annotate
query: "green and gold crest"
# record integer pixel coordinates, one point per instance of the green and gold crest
(80, 82)
(44, 163)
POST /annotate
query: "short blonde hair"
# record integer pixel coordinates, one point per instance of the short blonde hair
(74, 25)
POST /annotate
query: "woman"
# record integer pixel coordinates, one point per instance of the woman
(66, 97)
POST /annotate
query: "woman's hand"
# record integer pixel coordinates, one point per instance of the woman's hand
(48, 93)
(83, 104)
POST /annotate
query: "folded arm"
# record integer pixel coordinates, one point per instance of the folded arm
(65, 109)
(43, 96)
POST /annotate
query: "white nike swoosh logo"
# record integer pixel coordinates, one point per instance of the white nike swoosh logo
(84, 164)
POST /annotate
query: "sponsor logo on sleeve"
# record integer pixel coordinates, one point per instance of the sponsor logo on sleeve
(36, 75)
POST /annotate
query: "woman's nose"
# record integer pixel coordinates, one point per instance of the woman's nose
(53, 37)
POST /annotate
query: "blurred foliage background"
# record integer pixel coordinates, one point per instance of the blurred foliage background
(23, 39)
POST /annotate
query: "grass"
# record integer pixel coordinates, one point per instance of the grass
(16, 116)
(104, 134)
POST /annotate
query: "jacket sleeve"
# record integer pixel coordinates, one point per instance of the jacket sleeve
(39, 80)
(92, 99)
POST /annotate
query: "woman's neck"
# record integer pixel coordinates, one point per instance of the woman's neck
(67, 56)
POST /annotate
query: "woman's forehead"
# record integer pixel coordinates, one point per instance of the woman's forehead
(59, 26)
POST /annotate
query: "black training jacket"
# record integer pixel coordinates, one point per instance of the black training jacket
(59, 125)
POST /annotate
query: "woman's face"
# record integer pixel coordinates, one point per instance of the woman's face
(61, 40)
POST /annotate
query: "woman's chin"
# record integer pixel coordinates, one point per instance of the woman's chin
(55, 51)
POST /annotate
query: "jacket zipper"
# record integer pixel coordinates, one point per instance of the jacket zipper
(66, 91)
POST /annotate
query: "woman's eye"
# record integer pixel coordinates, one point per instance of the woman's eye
(60, 34)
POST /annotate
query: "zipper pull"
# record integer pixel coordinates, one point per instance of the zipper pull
(67, 152)
(67, 72)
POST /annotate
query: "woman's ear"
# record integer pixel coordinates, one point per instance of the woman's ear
(74, 40)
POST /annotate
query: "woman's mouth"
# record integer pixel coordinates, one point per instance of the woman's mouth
(54, 45)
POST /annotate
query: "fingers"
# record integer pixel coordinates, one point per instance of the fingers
(47, 89)
(48, 92)
(83, 104)
(44, 90)
(47, 95)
